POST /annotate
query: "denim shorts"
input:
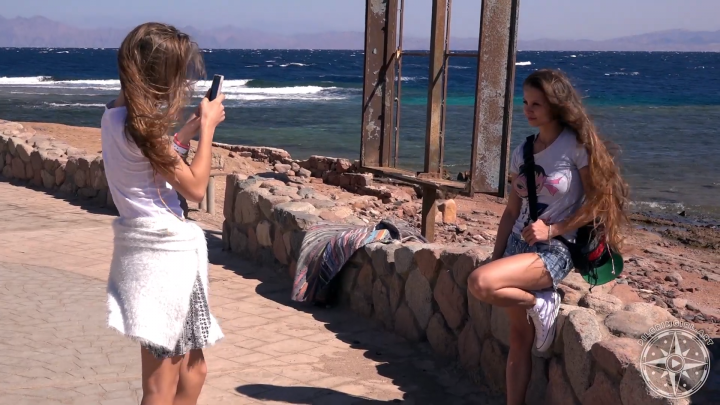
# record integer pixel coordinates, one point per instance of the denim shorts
(556, 255)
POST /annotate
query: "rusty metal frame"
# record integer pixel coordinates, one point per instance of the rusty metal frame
(497, 47)
(497, 50)
(379, 86)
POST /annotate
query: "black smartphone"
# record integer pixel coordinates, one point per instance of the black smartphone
(216, 87)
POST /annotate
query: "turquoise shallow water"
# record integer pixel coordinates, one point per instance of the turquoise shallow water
(663, 109)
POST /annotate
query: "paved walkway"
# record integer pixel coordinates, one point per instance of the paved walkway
(54, 258)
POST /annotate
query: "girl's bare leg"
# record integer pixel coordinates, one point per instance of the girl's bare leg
(160, 378)
(192, 377)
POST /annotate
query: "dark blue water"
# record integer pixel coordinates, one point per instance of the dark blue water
(663, 109)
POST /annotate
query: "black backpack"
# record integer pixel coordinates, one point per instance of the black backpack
(591, 255)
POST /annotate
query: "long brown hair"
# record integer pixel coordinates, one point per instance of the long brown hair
(607, 198)
(158, 66)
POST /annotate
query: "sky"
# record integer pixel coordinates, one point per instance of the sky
(558, 19)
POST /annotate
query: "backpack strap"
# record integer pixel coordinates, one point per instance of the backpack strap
(529, 172)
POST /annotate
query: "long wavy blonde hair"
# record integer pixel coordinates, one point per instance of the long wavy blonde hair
(606, 200)
(158, 68)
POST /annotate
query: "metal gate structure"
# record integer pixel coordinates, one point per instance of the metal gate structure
(497, 47)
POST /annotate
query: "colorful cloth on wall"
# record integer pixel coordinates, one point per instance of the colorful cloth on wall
(328, 246)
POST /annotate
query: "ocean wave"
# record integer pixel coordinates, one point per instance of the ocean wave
(49, 82)
(523, 63)
(82, 105)
(622, 74)
(293, 64)
(282, 97)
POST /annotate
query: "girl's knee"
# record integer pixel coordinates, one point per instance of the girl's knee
(480, 285)
(162, 389)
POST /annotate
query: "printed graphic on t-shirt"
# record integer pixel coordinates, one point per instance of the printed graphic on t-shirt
(544, 186)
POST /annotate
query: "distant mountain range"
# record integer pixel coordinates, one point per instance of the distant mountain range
(42, 32)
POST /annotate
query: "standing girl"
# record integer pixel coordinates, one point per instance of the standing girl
(577, 182)
(158, 282)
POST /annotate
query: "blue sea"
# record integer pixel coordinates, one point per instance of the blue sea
(663, 109)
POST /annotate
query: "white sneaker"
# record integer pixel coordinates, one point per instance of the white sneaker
(544, 314)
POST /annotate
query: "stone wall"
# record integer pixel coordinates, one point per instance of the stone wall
(51, 164)
(419, 291)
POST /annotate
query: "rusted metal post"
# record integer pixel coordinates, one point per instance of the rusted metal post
(429, 209)
(211, 196)
(494, 96)
(435, 89)
(379, 82)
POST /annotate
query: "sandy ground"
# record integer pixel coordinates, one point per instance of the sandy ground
(655, 256)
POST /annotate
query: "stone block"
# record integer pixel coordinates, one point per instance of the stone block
(97, 175)
(575, 281)
(238, 239)
(230, 194)
(263, 233)
(71, 166)
(295, 216)
(3, 143)
(29, 172)
(500, 325)
(361, 304)
(602, 303)
(247, 209)
(68, 186)
(252, 245)
(7, 172)
(537, 388)
(71, 151)
(87, 192)
(406, 325)
(428, 262)
(565, 310)
(569, 295)
(494, 364)
(602, 392)
(441, 339)
(267, 202)
(383, 257)
(467, 263)
(404, 258)
(651, 311)
(12, 144)
(36, 160)
(419, 295)
(480, 315)
(48, 179)
(580, 333)
(469, 348)
(226, 226)
(364, 282)
(451, 300)
(84, 162)
(59, 175)
(279, 249)
(448, 208)
(23, 151)
(381, 303)
(559, 390)
(18, 168)
(80, 178)
(628, 324)
(614, 355)
(635, 391)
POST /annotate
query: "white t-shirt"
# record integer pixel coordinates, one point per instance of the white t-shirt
(557, 179)
(135, 190)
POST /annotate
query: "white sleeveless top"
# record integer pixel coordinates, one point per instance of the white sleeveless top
(130, 177)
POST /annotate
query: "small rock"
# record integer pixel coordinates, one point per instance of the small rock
(675, 277)
(679, 303)
(711, 277)
(461, 228)
(448, 208)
